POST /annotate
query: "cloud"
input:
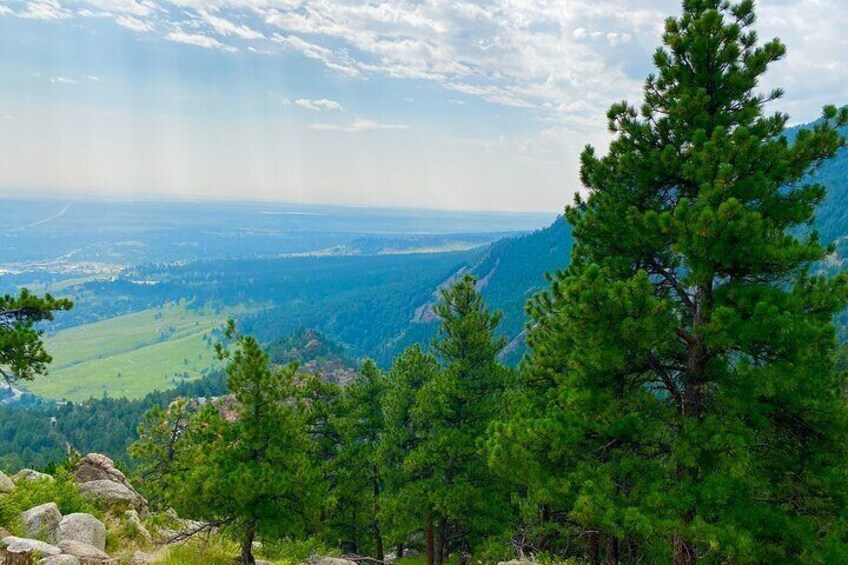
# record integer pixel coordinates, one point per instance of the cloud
(5, 10)
(134, 24)
(333, 60)
(319, 105)
(198, 40)
(45, 10)
(227, 28)
(358, 125)
(63, 80)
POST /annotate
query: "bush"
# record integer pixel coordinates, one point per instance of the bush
(27, 494)
(296, 551)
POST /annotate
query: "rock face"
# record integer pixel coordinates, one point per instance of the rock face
(84, 552)
(99, 478)
(42, 522)
(135, 526)
(31, 544)
(60, 560)
(30, 475)
(6, 484)
(84, 528)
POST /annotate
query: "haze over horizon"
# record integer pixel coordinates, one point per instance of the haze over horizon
(432, 104)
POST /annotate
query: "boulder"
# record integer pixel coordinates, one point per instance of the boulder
(86, 553)
(6, 484)
(318, 560)
(518, 562)
(114, 494)
(62, 559)
(42, 522)
(30, 475)
(94, 471)
(85, 528)
(36, 546)
(135, 527)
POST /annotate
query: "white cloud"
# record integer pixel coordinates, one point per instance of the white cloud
(5, 10)
(63, 80)
(134, 24)
(358, 125)
(133, 7)
(225, 27)
(45, 10)
(320, 105)
(94, 78)
(198, 40)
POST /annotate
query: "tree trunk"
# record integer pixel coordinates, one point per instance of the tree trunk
(431, 549)
(15, 556)
(378, 535)
(247, 545)
(684, 554)
(592, 551)
(611, 557)
(399, 550)
(441, 541)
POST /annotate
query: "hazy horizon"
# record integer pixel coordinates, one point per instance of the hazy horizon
(432, 105)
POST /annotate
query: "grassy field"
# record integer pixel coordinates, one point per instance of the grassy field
(130, 355)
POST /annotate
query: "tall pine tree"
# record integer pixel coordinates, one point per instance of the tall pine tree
(688, 408)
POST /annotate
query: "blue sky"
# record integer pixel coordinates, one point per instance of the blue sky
(426, 103)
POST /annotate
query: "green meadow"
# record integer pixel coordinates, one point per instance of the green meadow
(130, 355)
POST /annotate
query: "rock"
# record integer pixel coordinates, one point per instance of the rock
(34, 545)
(99, 469)
(518, 562)
(42, 522)
(135, 527)
(62, 559)
(6, 484)
(85, 528)
(30, 475)
(114, 494)
(318, 560)
(4, 533)
(86, 553)
(141, 558)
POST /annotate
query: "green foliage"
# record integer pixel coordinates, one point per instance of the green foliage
(680, 400)
(22, 353)
(28, 494)
(242, 465)
(439, 440)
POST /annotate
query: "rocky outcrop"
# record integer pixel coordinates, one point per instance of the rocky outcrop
(84, 528)
(141, 558)
(99, 478)
(30, 544)
(84, 552)
(6, 484)
(30, 475)
(135, 527)
(60, 560)
(42, 522)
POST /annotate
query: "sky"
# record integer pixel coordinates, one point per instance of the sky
(480, 105)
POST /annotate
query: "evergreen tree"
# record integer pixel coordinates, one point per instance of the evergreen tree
(359, 487)
(688, 404)
(22, 353)
(242, 463)
(404, 489)
(453, 411)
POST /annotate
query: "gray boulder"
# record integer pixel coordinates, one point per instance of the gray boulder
(135, 527)
(318, 560)
(62, 559)
(42, 522)
(95, 470)
(30, 475)
(6, 484)
(141, 558)
(85, 528)
(34, 545)
(86, 553)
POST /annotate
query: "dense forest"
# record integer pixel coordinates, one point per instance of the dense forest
(681, 394)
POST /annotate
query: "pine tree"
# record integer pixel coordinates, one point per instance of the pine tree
(453, 411)
(404, 490)
(241, 464)
(359, 486)
(688, 399)
(22, 353)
